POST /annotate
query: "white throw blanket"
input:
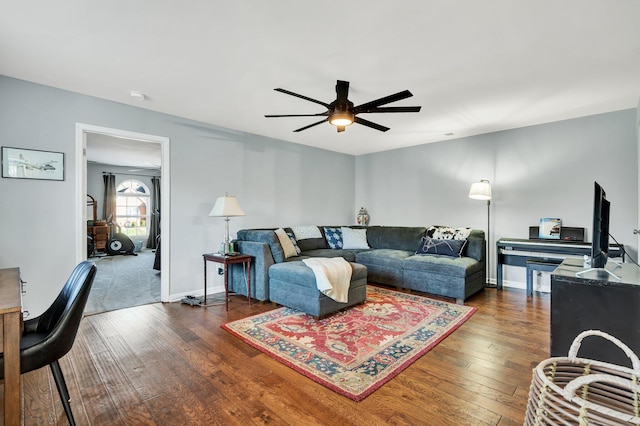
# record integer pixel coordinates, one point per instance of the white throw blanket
(333, 276)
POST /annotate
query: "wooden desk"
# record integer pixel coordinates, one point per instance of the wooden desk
(226, 260)
(516, 252)
(11, 330)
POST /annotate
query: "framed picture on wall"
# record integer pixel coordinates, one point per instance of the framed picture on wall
(22, 163)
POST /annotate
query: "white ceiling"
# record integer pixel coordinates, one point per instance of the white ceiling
(140, 156)
(474, 66)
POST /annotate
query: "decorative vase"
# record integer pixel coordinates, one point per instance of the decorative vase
(363, 217)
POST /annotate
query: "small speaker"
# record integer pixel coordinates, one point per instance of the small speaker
(534, 232)
(566, 233)
(571, 234)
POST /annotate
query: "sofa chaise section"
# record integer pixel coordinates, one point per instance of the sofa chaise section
(293, 284)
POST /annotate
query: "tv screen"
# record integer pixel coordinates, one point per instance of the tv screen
(600, 244)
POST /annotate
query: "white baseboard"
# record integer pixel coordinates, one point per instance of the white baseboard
(210, 290)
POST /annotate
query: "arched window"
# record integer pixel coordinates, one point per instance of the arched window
(132, 212)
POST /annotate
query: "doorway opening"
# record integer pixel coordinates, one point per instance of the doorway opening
(85, 133)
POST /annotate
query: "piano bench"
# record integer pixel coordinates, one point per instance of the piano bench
(537, 264)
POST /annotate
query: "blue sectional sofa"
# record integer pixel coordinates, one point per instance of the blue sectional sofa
(390, 258)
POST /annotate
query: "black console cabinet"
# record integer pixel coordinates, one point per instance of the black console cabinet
(594, 302)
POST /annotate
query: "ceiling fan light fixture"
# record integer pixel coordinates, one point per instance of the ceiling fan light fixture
(342, 112)
(341, 119)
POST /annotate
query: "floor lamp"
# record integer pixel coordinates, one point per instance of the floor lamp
(482, 191)
(226, 206)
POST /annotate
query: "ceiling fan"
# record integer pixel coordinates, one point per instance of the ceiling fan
(342, 113)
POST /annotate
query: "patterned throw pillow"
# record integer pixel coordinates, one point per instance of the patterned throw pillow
(285, 242)
(294, 242)
(306, 232)
(333, 237)
(448, 233)
(354, 238)
(448, 247)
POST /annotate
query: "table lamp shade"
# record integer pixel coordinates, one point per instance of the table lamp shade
(226, 206)
(480, 190)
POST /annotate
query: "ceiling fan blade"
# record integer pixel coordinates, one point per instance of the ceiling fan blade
(306, 98)
(386, 100)
(298, 115)
(370, 124)
(393, 109)
(342, 92)
(311, 125)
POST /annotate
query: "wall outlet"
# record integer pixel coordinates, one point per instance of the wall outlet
(220, 271)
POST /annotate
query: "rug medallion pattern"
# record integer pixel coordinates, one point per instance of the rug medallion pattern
(355, 351)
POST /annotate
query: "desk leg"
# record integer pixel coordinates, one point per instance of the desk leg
(499, 276)
(11, 346)
(204, 298)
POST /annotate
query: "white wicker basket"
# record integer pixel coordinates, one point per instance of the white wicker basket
(578, 391)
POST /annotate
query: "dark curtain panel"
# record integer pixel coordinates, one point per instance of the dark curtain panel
(154, 226)
(109, 204)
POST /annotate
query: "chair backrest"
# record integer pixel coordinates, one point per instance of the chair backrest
(50, 336)
(71, 300)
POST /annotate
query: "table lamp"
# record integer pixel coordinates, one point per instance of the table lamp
(226, 206)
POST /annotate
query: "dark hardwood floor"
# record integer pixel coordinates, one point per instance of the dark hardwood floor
(172, 364)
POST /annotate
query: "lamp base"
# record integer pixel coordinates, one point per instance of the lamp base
(227, 248)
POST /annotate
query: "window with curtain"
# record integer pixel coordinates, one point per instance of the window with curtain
(132, 208)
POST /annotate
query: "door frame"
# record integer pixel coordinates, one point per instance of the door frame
(82, 130)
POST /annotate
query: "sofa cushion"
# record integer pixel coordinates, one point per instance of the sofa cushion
(430, 246)
(306, 232)
(443, 265)
(333, 237)
(298, 273)
(354, 238)
(395, 237)
(383, 257)
(476, 245)
(309, 237)
(349, 255)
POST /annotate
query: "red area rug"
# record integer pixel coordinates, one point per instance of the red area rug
(355, 351)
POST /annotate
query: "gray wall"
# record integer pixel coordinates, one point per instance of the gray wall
(277, 183)
(539, 171)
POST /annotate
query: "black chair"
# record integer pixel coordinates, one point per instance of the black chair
(50, 336)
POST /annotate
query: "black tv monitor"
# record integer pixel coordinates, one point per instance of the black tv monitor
(600, 244)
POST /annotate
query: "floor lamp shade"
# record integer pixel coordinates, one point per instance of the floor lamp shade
(482, 191)
(226, 206)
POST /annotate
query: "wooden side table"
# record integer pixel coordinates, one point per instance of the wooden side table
(227, 260)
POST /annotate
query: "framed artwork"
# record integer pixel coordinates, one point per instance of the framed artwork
(550, 228)
(22, 163)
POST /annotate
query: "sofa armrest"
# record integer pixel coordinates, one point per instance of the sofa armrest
(262, 260)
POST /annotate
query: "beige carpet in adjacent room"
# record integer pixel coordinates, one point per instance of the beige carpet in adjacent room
(124, 281)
